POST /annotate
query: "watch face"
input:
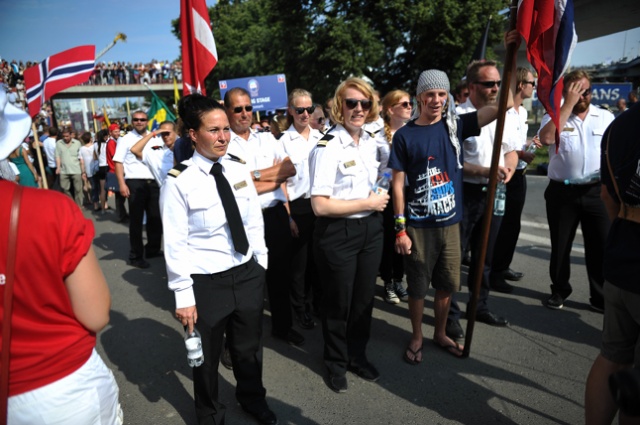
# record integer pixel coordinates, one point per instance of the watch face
(256, 174)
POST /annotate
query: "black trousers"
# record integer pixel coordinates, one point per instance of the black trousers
(144, 197)
(475, 200)
(568, 205)
(277, 235)
(231, 301)
(305, 286)
(392, 263)
(348, 253)
(510, 227)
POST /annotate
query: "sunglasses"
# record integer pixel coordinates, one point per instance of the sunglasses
(238, 109)
(139, 119)
(586, 92)
(533, 83)
(489, 84)
(405, 105)
(309, 110)
(352, 103)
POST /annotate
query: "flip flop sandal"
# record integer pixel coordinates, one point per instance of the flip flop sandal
(450, 348)
(409, 360)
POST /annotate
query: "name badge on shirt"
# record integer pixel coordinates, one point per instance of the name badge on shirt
(349, 164)
(568, 129)
(240, 185)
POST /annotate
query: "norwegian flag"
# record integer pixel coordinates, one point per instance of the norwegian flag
(56, 73)
(549, 31)
(199, 54)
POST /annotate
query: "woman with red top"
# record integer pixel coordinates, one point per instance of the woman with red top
(60, 301)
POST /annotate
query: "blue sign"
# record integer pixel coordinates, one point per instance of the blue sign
(268, 92)
(601, 93)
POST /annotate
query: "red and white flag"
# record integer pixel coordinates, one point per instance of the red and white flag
(199, 54)
(56, 73)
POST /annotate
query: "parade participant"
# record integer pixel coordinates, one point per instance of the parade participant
(216, 258)
(317, 119)
(111, 181)
(69, 166)
(157, 154)
(298, 141)
(348, 233)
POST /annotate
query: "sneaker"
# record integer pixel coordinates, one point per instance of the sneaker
(390, 293)
(555, 302)
(400, 291)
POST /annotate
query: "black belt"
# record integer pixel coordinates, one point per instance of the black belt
(563, 184)
(226, 273)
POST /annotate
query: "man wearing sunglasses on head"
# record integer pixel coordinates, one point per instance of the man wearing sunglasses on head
(139, 186)
(484, 85)
(271, 167)
(573, 194)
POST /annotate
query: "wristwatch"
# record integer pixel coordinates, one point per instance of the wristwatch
(257, 175)
(399, 227)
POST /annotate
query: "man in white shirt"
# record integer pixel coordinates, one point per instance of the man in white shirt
(49, 145)
(157, 154)
(138, 185)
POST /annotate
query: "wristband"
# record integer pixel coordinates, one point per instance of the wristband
(290, 220)
(400, 234)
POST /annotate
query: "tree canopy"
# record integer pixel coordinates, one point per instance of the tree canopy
(319, 43)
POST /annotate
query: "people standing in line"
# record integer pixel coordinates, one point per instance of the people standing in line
(620, 156)
(396, 110)
(136, 183)
(111, 180)
(573, 193)
(298, 140)
(348, 232)
(157, 152)
(261, 151)
(60, 302)
(49, 147)
(216, 258)
(91, 185)
(69, 166)
(484, 82)
(516, 189)
(427, 153)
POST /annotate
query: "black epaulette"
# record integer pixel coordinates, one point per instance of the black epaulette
(236, 159)
(156, 147)
(605, 107)
(325, 139)
(175, 171)
(279, 136)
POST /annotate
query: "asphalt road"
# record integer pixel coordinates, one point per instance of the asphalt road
(532, 372)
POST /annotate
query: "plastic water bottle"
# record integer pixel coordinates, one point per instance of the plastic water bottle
(382, 186)
(193, 342)
(522, 163)
(589, 178)
(500, 201)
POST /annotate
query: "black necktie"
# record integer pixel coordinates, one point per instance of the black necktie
(238, 235)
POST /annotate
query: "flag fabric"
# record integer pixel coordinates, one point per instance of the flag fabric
(176, 93)
(56, 73)
(199, 54)
(158, 112)
(106, 117)
(548, 28)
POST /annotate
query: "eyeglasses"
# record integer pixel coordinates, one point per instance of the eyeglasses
(489, 84)
(139, 119)
(238, 109)
(352, 103)
(309, 110)
(586, 92)
(405, 105)
(533, 83)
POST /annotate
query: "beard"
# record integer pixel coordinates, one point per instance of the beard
(580, 107)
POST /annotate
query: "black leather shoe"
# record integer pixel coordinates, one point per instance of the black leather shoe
(292, 337)
(512, 275)
(454, 330)
(155, 254)
(225, 359)
(140, 263)
(368, 372)
(305, 321)
(491, 318)
(500, 285)
(337, 383)
(263, 415)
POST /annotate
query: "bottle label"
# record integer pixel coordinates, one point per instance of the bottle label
(381, 191)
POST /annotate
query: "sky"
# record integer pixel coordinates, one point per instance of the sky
(35, 29)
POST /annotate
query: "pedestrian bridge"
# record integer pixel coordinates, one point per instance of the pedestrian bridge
(113, 90)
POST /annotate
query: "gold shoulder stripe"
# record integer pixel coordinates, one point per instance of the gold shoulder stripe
(177, 170)
(237, 159)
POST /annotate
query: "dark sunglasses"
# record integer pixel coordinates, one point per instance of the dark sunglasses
(586, 92)
(533, 83)
(238, 109)
(139, 119)
(352, 103)
(309, 110)
(405, 105)
(489, 84)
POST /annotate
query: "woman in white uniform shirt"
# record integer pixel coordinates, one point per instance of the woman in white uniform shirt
(348, 233)
(298, 141)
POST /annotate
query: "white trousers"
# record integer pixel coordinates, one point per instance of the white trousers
(88, 396)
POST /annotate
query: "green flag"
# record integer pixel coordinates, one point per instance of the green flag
(158, 112)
